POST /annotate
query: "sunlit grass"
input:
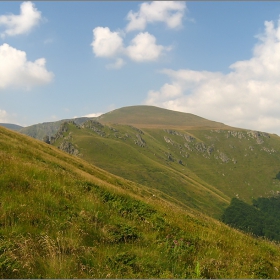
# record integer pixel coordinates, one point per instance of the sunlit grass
(61, 217)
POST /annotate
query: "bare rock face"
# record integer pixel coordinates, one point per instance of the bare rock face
(201, 147)
(69, 148)
(63, 128)
(95, 126)
(237, 134)
(189, 138)
(140, 141)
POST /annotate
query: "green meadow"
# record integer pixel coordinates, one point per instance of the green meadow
(124, 206)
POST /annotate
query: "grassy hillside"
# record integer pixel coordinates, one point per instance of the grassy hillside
(61, 217)
(201, 167)
(151, 116)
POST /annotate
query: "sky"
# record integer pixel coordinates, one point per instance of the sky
(218, 60)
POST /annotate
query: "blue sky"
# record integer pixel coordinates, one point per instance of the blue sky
(219, 60)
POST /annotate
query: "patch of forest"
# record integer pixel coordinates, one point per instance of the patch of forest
(262, 218)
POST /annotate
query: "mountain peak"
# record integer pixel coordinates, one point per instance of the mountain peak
(151, 116)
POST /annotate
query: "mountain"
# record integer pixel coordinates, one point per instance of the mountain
(62, 217)
(203, 164)
(151, 116)
(11, 126)
(39, 131)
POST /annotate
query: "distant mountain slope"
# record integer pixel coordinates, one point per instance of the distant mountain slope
(151, 116)
(61, 217)
(39, 131)
(11, 126)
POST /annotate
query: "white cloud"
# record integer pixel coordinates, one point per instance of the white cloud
(169, 12)
(17, 71)
(106, 43)
(93, 115)
(117, 65)
(248, 96)
(109, 44)
(144, 48)
(19, 24)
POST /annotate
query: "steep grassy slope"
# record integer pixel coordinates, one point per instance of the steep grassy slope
(61, 217)
(130, 153)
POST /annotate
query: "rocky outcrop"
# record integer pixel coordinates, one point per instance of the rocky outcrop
(69, 148)
(234, 133)
(62, 129)
(223, 157)
(189, 138)
(173, 132)
(96, 126)
(168, 140)
(201, 147)
(140, 141)
(137, 129)
(188, 146)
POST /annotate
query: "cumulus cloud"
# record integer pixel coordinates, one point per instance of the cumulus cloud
(19, 24)
(106, 43)
(248, 96)
(109, 44)
(144, 48)
(17, 71)
(169, 12)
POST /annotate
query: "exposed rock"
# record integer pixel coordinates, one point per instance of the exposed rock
(210, 150)
(46, 139)
(234, 133)
(137, 129)
(62, 129)
(201, 147)
(95, 126)
(223, 157)
(173, 132)
(180, 162)
(251, 148)
(259, 140)
(188, 147)
(189, 138)
(168, 140)
(139, 141)
(268, 150)
(69, 148)
(253, 134)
